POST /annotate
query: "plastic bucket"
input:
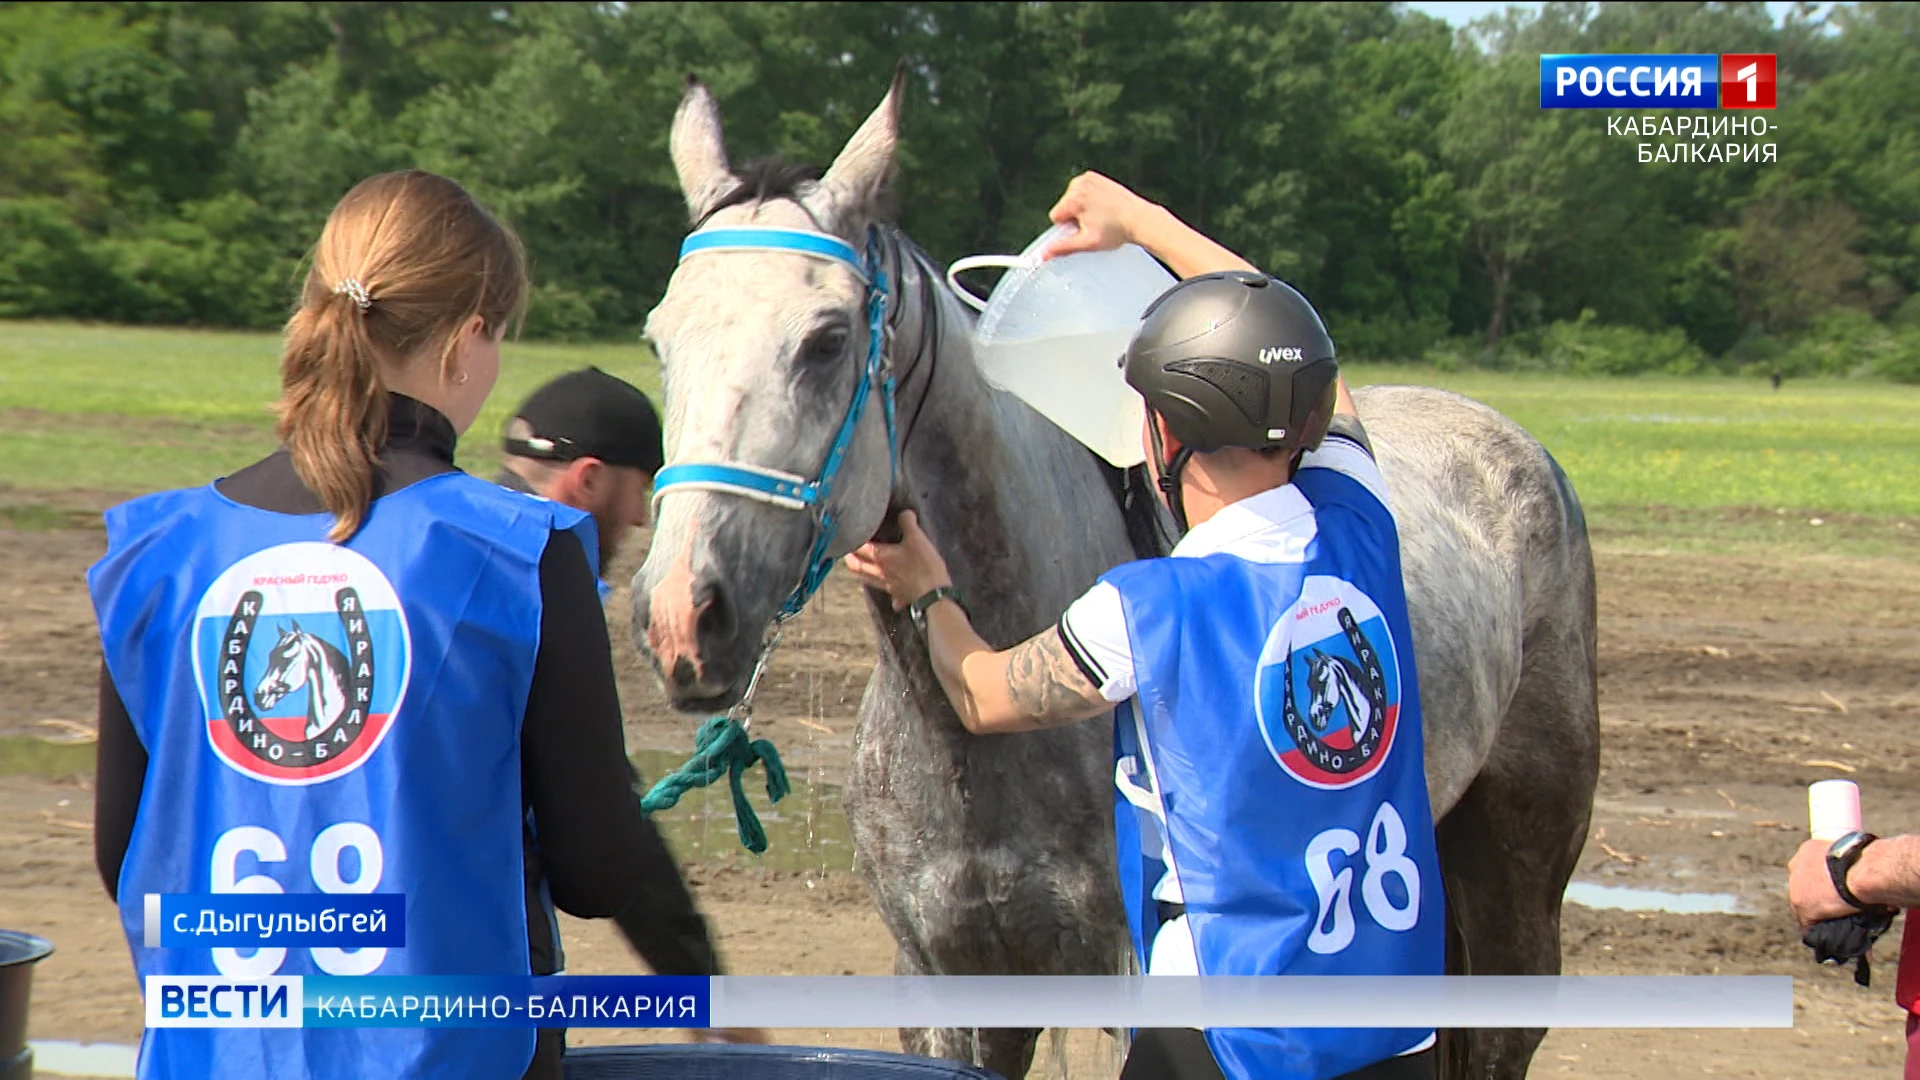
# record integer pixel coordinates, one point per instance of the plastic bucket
(720, 1061)
(18, 953)
(1053, 334)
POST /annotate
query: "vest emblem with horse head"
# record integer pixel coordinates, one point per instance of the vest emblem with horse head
(302, 655)
(1327, 690)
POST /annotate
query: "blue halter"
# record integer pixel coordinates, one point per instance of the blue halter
(784, 489)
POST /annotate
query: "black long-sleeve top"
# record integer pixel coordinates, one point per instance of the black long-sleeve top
(599, 857)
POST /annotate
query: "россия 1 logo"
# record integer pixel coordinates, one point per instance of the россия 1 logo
(1650, 81)
(1747, 80)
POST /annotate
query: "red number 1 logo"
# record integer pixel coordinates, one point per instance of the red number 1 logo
(1747, 80)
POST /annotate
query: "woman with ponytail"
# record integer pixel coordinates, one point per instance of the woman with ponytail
(352, 668)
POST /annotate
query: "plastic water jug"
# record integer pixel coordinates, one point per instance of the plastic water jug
(1053, 334)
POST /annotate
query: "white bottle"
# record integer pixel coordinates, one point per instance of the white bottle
(1833, 809)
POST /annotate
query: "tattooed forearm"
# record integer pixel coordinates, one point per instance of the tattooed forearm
(1046, 686)
(1035, 684)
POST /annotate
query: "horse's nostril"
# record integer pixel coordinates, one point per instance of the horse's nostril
(683, 674)
(716, 613)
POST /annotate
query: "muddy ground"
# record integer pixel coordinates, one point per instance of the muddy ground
(1729, 682)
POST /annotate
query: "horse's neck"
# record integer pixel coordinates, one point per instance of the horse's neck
(324, 678)
(1349, 686)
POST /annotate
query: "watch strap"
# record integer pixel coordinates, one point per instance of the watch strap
(1838, 865)
(918, 609)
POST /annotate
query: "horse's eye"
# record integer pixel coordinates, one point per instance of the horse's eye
(827, 344)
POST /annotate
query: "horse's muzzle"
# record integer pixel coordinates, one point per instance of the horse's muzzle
(687, 625)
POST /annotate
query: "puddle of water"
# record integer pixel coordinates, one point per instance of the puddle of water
(806, 831)
(1617, 898)
(55, 1058)
(26, 754)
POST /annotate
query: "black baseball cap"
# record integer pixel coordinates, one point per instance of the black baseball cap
(588, 413)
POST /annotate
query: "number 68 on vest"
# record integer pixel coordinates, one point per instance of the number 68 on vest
(1385, 856)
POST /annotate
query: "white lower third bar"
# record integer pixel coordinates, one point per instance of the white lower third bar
(1471, 1001)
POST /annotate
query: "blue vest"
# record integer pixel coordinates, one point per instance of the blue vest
(1273, 755)
(332, 718)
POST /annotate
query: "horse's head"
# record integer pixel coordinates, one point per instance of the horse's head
(1326, 695)
(286, 668)
(761, 352)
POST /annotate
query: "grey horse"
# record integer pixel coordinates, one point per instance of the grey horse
(995, 855)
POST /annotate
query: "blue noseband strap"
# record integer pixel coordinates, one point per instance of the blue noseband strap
(789, 490)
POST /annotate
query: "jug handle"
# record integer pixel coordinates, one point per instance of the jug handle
(978, 262)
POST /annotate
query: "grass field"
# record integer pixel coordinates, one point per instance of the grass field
(122, 409)
(130, 409)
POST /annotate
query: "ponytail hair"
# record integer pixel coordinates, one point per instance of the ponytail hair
(404, 261)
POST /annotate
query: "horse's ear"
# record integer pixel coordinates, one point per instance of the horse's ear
(296, 627)
(699, 153)
(860, 173)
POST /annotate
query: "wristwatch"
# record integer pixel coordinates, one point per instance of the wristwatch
(1840, 858)
(917, 610)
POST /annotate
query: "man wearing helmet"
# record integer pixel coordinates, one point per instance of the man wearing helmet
(1271, 813)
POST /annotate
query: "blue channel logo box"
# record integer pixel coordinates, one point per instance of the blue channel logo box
(1629, 81)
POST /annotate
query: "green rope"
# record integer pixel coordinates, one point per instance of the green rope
(722, 749)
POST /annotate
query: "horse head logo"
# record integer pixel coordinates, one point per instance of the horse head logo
(1336, 682)
(300, 659)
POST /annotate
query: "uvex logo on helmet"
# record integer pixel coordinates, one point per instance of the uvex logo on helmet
(302, 654)
(1280, 353)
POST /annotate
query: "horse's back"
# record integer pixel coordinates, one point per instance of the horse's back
(1498, 568)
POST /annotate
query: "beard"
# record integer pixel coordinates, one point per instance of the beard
(610, 538)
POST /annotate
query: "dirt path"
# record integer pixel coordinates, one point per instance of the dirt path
(1728, 683)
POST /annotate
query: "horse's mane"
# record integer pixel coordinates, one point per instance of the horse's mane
(772, 177)
(761, 180)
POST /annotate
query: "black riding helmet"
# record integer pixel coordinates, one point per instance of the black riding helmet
(1233, 359)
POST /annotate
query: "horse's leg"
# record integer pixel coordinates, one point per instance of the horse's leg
(1508, 848)
(928, 1042)
(1007, 1051)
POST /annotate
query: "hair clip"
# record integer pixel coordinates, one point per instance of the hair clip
(351, 287)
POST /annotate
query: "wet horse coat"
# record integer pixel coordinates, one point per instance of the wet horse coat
(994, 855)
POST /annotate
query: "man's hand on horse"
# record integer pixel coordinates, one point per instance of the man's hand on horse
(905, 571)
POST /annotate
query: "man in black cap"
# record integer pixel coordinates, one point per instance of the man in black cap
(590, 441)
